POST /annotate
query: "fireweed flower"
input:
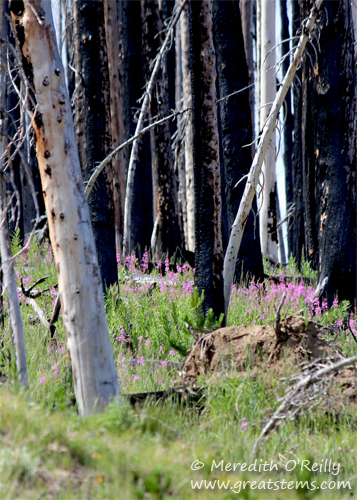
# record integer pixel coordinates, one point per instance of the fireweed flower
(42, 380)
(136, 377)
(244, 425)
(145, 261)
(172, 352)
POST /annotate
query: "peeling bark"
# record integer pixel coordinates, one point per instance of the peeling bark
(94, 377)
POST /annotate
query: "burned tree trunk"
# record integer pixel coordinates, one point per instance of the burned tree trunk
(232, 74)
(289, 123)
(94, 376)
(298, 215)
(329, 135)
(116, 115)
(208, 217)
(141, 212)
(169, 230)
(92, 59)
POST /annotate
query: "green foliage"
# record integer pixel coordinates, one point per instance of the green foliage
(147, 452)
(195, 318)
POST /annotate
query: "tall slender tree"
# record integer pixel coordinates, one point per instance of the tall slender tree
(329, 154)
(289, 123)
(268, 210)
(92, 64)
(187, 103)
(236, 158)
(133, 77)
(94, 376)
(169, 230)
(208, 216)
(116, 115)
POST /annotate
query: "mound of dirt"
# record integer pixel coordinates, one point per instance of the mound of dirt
(254, 349)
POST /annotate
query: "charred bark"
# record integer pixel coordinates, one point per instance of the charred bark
(289, 124)
(92, 52)
(133, 88)
(297, 177)
(232, 72)
(169, 231)
(208, 214)
(330, 154)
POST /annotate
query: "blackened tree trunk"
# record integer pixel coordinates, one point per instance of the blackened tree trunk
(298, 229)
(169, 231)
(289, 124)
(329, 130)
(133, 88)
(92, 54)
(208, 216)
(232, 74)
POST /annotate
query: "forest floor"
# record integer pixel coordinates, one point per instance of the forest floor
(181, 447)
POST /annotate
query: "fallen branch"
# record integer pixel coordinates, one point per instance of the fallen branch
(139, 126)
(310, 387)
(254, 173)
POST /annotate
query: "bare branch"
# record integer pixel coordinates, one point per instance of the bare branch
(117, 150)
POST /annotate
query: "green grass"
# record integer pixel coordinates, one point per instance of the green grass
(48, 451)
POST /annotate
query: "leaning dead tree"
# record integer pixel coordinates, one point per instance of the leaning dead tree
(94, 376)
(254, 173)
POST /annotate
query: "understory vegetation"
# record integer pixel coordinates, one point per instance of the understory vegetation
(48, 451)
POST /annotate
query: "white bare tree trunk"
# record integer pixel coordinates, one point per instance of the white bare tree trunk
(5, 246)
(94, 376)
(187, 103)
(246, 15)
(259, 61)
(268, 212)
(17, 329)
(179, 157)
(254, 173)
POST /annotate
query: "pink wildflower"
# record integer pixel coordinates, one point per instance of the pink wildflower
(244, 425)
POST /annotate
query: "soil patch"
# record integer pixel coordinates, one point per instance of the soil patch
(258, 349)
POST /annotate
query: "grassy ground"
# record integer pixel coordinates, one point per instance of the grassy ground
(47, 451)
